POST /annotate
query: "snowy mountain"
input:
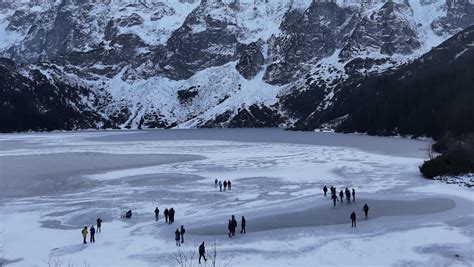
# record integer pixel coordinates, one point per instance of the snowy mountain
(212, 63)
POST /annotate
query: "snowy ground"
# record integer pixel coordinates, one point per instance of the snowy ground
(54, 184)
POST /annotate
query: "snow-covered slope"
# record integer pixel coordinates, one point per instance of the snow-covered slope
(193, 63)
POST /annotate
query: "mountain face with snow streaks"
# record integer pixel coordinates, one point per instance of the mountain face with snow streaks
(215, 63)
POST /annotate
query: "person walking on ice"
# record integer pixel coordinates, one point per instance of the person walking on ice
(353, 195)
(229, 185)
(220, 186)
(225, 185)
(325, 190)
(243, 222)
(182, 233)
(215, 182)
(353, 219)
(334, 198)
(157, 214)
(177, 237)
(92, 240)
(202, 252)
(348, 195)
(366, 210)
(84, 234)
(341, 196)
(99, 225)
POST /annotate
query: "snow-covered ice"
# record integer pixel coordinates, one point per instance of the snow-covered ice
(53, 184)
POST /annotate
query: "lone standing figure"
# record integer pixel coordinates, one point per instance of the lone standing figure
(84, 234)
(366, 210)
(243, 222)
(353, 219)
(182, 233)
(99, 225)
(157, 213)
(92, 240)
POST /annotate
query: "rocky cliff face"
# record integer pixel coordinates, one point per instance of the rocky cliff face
(223, 63)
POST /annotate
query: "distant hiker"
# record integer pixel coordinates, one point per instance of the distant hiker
(341, 196)
(334, 198)
(366, 210)
(353, 195)
(171, 216)
(166, 213)
(99, 225)
(333, 190)
(182, 233)
(92, 234)
(325, 190)
(225, 185)
(157, 214)
(353, 219)
(202, 252)
(128, 214)
(229, 185)
(220, 186)
(243, 222)
(348, 195)
(84, 234)
(215, 182)
(177, 237)
(234, 225)
(229, 227)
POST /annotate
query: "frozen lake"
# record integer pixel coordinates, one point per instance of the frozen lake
(53, 184)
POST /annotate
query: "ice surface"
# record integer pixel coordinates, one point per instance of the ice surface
(277, 176)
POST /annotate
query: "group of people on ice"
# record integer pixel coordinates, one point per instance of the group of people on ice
(347, 193)
(168, 213)
(179, 236)
(232, 225)
(227, 185)
(334, 197)
(92, 231)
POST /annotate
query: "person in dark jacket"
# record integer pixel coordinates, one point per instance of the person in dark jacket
(157, 214)
(334, 198)
(234, 225)
(182, 233)
(177, 237)
(92, 230)
(225, 185)
(229, 185)
(341, 196)
(128, 214)
(202, 252)
(220, 186)
(171, 216)
(243, 222)
(229, 227)
(215, 182)
(167, 214)
(348, 195)
(366, 210)
(353, 195)
(353, 219)
(325, 190)
(99, 225)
